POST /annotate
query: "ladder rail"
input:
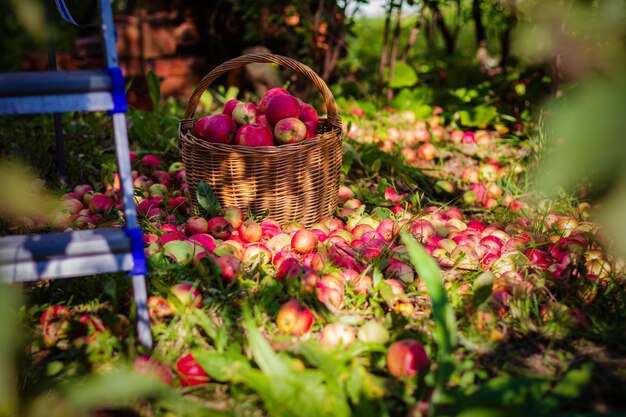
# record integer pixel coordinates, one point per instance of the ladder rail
(102, 90)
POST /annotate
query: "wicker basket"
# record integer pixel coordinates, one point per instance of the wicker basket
(295, 182)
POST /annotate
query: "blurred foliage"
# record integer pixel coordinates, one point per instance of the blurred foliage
(584, 126)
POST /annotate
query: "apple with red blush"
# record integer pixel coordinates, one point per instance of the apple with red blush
(245, 113)
(281, 107)
(289, 130)
(254, 135)
(294, 318)
(269, 94)
(217, 128)
(229, 106)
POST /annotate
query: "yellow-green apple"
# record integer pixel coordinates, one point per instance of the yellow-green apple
(337, 334)
(289, 130)
(233, 215)
(245, 113)
(187, 294)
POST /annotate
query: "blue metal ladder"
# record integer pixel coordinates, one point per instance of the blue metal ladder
(83, 252)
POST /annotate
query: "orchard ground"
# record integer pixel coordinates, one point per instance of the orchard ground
(442, 283)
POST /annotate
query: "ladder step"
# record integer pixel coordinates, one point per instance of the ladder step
(64, 255)
(43, 83)
(60, 103)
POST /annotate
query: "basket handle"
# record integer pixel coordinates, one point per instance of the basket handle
(329, 100)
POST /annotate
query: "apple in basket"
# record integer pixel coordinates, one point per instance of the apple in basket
(282, 106)
(289, 130)
(229, 106)
(309, 117)
(276, 91)
(245, 113)
(254, 135)
(217, 128)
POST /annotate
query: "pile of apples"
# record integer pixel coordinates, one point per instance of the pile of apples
(278, 119)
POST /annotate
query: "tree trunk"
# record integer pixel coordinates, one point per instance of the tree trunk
(383, 52)
(415, 30)
(443, 28)
(481, 36)
(394, 50)
(505, 39)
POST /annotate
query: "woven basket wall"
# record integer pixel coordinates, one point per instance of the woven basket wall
(295, 182)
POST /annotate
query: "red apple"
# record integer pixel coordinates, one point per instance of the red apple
(250, 231)
(229, 106)
(101, 203)
(54, 324)
(159, 307)
(309, 117)
(217, 128)
(219, 228)
(196, 225)
(150, 161)
(294, 318)
(276, 91)
(229, 265)
(406, 358)
(189, 372)
(261, 120)
(282, 106)
(289, 130)
(254, 135)
(304, 241)
(426, 151)
(245, 113)
(203, 239)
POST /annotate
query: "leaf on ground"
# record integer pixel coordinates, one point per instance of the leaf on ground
(428, 270)
(483, 287)
(207, 199)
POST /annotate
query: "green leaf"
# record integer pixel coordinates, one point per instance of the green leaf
(286, 392)
(207, 199)
(483, 286)
(154, 89)
(377, 277)
(206, 100)
(570, 387)
(484, 412)
(382, 213)
(116, 389)
(480, 116)
(223, 367)
(269, 362)
(404, 75)
(350, 155)
(375, 167)
(428, 270)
